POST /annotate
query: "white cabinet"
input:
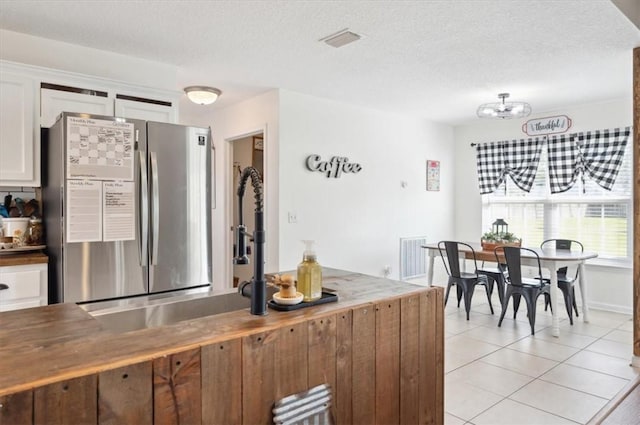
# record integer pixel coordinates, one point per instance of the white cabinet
(32, 97)
(19, 133)
(23, 286)
(159, 112)
(53, 102)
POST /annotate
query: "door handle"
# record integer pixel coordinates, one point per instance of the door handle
(3, 286)
(144, 210)
(155, 213)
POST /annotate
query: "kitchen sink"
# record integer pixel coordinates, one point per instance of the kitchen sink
(170, 312)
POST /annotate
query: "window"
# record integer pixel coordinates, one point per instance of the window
(600, 219)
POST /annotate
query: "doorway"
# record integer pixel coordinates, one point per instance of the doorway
(245, 151)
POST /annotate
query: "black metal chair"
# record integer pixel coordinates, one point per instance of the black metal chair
(517, 286)
(465, 283)
(565, 283)
(497, 275)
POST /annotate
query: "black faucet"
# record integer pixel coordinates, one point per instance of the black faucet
(258, 283)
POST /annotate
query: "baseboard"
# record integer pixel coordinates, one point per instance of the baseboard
(611, 307)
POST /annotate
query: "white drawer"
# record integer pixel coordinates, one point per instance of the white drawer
(27, 286)
(21, 285)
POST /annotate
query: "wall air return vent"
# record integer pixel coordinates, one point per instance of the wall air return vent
(341, 38)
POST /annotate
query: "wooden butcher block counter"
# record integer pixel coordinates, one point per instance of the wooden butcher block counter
(23, 259)
(380, 348)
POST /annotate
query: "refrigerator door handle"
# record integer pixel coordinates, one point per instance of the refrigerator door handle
(155, 213)
(144, 213)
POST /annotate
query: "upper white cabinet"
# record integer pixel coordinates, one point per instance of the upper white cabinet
(19, 133)
(53, 102)
(146, 110)
(32, 97)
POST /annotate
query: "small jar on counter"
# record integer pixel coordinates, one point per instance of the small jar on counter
(35, 232)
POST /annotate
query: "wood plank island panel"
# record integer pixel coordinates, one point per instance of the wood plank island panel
(291, 361)
(363, 384)
(176, 389)
(125, 395)
(322, 352)
(409, 360)
(388, 362)
(431, 352)
(17, 409)
(68, 402)
(258, 377)
(343, 405)
(221, 383)
(379, 358)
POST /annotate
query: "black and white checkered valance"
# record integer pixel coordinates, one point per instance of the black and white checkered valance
(515, 158)
(596, 154)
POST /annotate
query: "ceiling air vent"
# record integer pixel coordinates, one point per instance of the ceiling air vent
(341, 38)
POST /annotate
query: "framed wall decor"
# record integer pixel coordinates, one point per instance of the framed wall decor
(433, 175)
(257, 160)
(258, 143)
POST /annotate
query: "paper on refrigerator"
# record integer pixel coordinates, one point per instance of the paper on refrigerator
(118, 211)
(99, 149)
(84, 211)
(100, 186)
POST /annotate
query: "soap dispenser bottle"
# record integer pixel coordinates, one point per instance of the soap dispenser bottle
(310, 274)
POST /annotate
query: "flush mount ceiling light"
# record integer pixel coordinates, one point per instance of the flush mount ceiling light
(202, 95)
(504, 110)
(341, 38)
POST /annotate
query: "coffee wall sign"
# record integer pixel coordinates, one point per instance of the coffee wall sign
(334, 167)
(547, 125)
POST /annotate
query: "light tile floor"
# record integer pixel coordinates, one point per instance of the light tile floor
(507, 376)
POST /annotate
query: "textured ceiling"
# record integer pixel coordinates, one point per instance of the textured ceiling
(436, 59)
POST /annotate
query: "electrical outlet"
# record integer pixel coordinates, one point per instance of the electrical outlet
(293, 218)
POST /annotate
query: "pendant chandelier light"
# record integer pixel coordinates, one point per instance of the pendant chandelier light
(504, 110)
(202, 95)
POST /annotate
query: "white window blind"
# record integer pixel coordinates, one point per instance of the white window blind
(600, 219)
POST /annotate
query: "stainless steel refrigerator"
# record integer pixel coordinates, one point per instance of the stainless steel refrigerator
(127, 207)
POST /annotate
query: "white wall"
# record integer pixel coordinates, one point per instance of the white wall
(358, 219)
(609, 287)
(256, 115)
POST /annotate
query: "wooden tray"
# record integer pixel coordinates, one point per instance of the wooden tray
(491, 246)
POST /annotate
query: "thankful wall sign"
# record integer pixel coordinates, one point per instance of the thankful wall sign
(547, 125)
(334, 167)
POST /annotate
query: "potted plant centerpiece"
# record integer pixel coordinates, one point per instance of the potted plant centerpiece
(499, 235)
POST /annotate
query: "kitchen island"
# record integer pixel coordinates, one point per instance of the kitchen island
(380, 348)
